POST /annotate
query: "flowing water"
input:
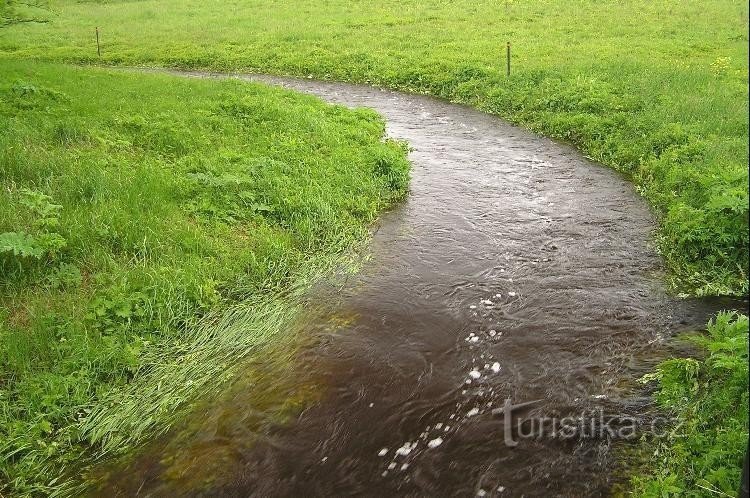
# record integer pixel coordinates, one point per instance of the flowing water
(516, 269)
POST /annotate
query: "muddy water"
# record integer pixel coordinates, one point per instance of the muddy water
(515, 270)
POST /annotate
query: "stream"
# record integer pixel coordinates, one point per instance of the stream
(516, 272)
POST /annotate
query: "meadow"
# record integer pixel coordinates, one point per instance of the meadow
(655, 89)
(148, 222)
(136, 209)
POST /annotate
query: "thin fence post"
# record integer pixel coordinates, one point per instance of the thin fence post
(98, 48)
(507, 58)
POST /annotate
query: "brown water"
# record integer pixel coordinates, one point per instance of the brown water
(516, 269)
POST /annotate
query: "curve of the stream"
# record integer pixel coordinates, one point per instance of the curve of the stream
(515, 270)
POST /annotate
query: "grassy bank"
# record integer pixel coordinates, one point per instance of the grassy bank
(702, 453)
(151, 231)
(656, 89)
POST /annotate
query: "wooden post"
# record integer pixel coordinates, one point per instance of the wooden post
(98, 48)
(507, 57)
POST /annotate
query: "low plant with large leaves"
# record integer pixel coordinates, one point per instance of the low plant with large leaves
(702, 453)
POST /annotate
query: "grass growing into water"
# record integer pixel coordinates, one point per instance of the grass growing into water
(656, 89)
(154, 230)
(702, 454)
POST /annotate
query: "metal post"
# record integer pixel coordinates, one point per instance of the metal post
(98, 49)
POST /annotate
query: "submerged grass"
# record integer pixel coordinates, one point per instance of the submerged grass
(702, 454)
(655, 89)
(153, 231)
(268, 388)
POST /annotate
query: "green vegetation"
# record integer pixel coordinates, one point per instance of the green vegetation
(19, 11)
(702, 454)
(153, 231)
(656, 89)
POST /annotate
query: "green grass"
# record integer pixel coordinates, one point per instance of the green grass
(154, 230)
(703, 452)
(655, 89)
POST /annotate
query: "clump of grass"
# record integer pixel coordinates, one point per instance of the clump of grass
(153, 231)
(702, 454)
(656, 89)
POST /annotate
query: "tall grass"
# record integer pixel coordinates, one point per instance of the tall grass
(656, 89)
(154, 231)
